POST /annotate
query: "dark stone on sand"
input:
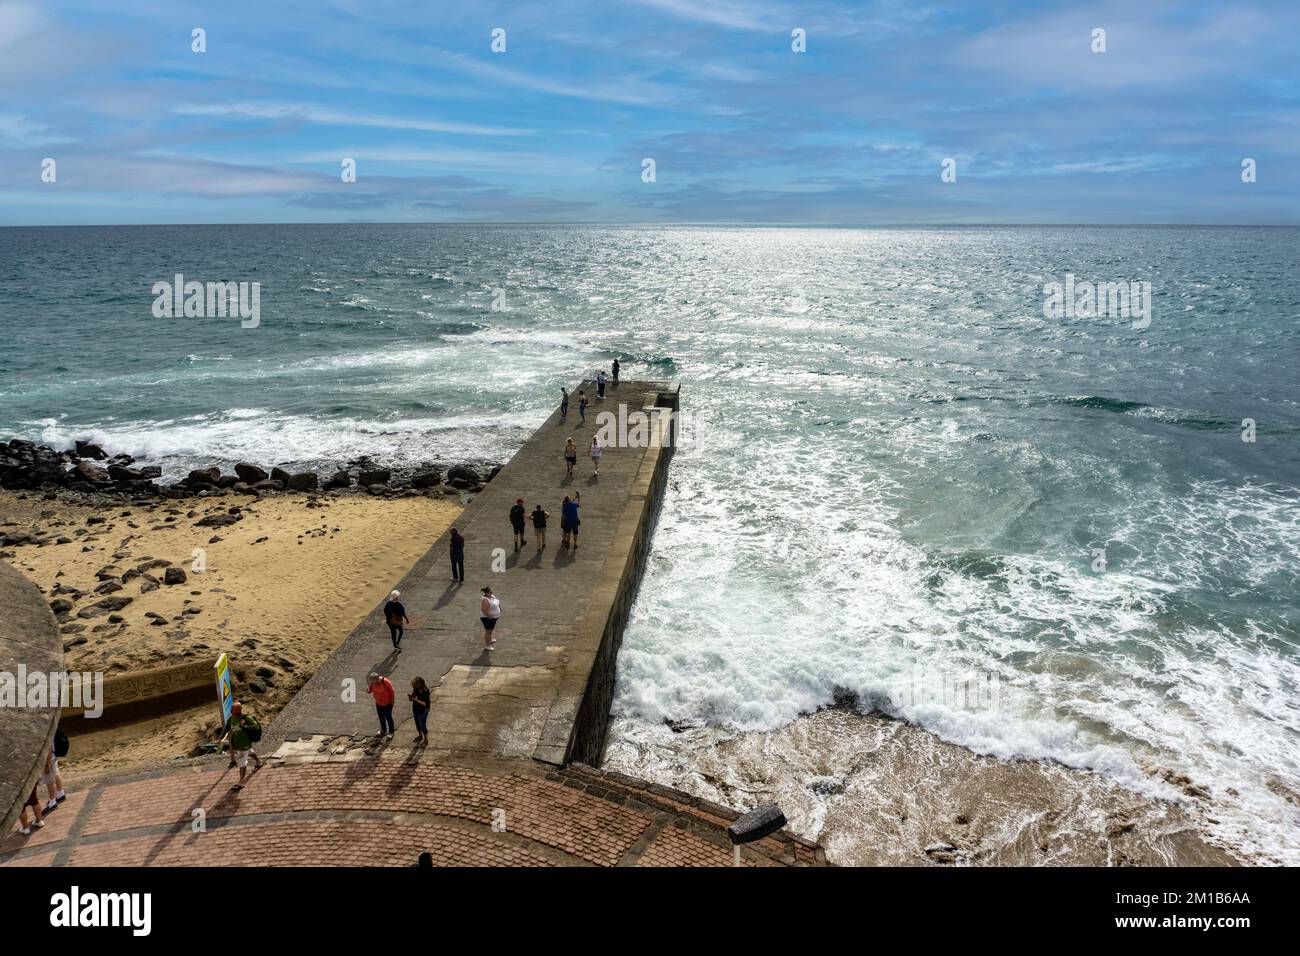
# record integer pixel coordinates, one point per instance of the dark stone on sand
(60, 605)
(305, 481)
(426, 479)
(375, 476)
(174, 575)
(280, 475)
(270, 484)
(203, 476)
(218, 521)
(89, 472)
(463, 473)
(340, 479)
(250, 473)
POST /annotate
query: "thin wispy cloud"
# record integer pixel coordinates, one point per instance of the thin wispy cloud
(738, 124)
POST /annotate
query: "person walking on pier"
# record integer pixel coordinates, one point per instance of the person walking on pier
(34, 803)
(597, 449)
(564, 403)
(381, 689)
(616, 367)
(569, 520)
(395, 615)
(517, 514)
(421, 699)
(570, 457)
(490, 613)
(457, 556)
(540, 515)
(582, 406)
(600, 383)
(243, 731)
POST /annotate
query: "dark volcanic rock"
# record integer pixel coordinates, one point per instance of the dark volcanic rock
(88, 471)
(340, 479)
(87, 449)
(280, 475)
(306, 481)
(250, 474)
(374, 476)
(123, 473)
(269, 485)
(174, 575)
(463, 473)
(426, 479)
(218, 521)
(203, 476)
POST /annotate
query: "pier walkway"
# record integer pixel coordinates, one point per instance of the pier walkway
(544, 692)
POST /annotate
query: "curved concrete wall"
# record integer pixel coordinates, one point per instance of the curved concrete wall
(29, 638)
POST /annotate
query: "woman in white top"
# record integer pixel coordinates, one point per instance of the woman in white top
(596, 450)
(490, 611)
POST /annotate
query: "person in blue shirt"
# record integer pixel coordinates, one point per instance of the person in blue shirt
(569, 520)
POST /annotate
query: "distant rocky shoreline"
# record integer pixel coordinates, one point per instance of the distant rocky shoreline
(88, 469)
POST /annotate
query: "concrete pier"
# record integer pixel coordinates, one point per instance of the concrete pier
(545, 691)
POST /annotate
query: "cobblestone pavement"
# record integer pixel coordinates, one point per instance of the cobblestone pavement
(386, 810)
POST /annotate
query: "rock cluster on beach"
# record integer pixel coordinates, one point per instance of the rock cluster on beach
(24, 465)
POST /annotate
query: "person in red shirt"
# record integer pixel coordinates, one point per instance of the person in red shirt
(381, 689)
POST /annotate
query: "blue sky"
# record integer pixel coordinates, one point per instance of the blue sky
(741, 128)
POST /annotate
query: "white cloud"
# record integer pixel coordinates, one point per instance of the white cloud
(328, 117)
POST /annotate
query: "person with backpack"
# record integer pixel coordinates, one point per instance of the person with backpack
(242, 730)
(381, 689)
(517, 522)
(457, 556)
(421, 699)
(395, 615)
(540, 515)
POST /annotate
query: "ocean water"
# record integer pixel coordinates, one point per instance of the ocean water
(1036, 537)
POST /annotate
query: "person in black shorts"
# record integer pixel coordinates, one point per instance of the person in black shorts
(616, 367)
(570, 457)
(517, 522)
(540, 515)
(564, 403)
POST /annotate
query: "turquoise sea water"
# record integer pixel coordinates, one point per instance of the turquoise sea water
(905, 482)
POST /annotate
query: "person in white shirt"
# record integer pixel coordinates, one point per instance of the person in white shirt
(489, 612)
(597, 449)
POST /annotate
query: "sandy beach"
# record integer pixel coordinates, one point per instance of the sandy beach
(279, 590)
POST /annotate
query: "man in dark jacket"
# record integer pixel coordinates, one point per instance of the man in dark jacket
(457, 556)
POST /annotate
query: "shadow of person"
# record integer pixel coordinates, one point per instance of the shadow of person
(447, 595)
(594, 479)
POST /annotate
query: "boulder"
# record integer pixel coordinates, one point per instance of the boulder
(250, 474)
(87, 449)
(280, 475)
(464, 473)
(374, 476)
(218, 521)
(305, 481)
(426, 479)
(269, 485)
(203, 476)
(340, 479)
(123, 473)
(174, 575)
(89, 472)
